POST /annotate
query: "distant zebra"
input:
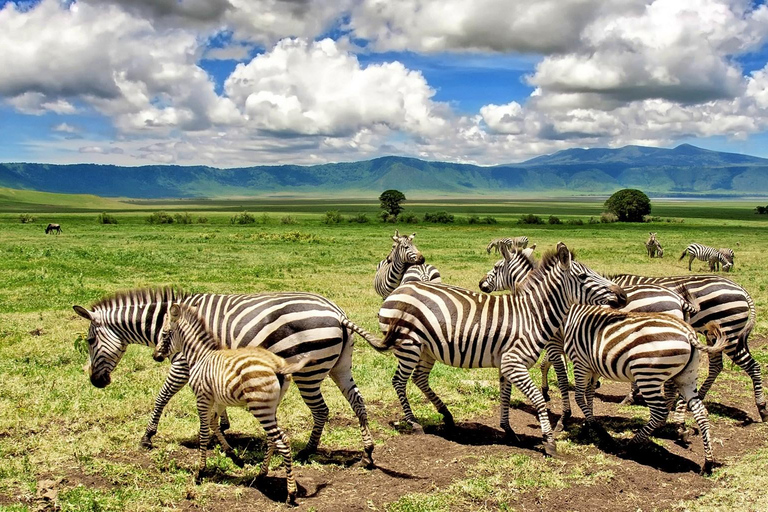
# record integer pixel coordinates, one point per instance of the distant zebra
(520, 242)
(289, 324)
(658, 352)
(722, 301)
(53, 228)
(653, 247)
(431, 322)
(252, 377)
(390, 271)
(714, 263)
(705, 253)
(424, 272)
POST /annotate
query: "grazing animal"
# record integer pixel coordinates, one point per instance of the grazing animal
(722, 301)
(705, 253)
(658, 352)
(252, 377)
(714, 263)
(390, 271)
(53, 228)
(520, 242)
(435, 322)
(289, 324)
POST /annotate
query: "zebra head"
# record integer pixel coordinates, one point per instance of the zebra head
(404, 251)
(582, 285)
(105, 347)
(170, 336)
(507, 272)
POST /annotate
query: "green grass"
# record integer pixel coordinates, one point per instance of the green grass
(54, 424)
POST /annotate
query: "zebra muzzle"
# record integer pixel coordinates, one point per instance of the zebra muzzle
(101, 380)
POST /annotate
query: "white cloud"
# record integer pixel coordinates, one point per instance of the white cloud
(65, 128)
(101, 150)
(236, 52)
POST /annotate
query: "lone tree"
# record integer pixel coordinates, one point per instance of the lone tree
(390, 201)
(629, 205)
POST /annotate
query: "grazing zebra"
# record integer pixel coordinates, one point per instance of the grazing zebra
(520, 242)
(389, 272)
(658, 352)
(436, 322)
(290, 324)
(251, 376)
(714, 263)
(705, 253)
(722, 301)
(424, 272)
(51, 228)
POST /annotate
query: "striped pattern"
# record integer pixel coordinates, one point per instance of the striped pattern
(714, 263)
(390, 271)
(724, 302)
(424, 272)
(251, 377)
(705, 253)
(658, 352)
(653, 247)
(291, 325)
(436, 322)
(519, 242)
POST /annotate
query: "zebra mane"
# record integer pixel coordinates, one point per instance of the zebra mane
(192, 318)
(548, 261)
(140, 297)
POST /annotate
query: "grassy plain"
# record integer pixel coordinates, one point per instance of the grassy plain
(55, 426)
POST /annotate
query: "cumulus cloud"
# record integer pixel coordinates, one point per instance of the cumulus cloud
(65, 128)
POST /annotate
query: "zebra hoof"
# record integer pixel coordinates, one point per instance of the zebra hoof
(550, 448)
(561, 422)
(367, 460)
(291, 500)
(417, 429)
(628, 400)
(706, 469)
(545, 394)
(304, 454)
(224, 426)
(510, 436)
(763, 410)
(146, 442)
(448, 420)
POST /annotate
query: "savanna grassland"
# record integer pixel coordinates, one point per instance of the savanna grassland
(61, 437)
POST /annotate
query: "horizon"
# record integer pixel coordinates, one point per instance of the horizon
(234, 83)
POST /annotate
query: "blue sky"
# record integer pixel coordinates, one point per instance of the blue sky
(245, 82)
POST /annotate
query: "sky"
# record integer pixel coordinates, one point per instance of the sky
(232, 83)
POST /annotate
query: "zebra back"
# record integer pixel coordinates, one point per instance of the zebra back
(424, 272)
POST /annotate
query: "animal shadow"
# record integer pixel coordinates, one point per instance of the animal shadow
(727, 411)
(479, 434)
(274, 488)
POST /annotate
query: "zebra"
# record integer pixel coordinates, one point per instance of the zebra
(437, 322)
(389, 272)
(722, 301)
(250, 376)
(424, 272)
(290, 324)
(53, 228)
(520, 242)
(705, 253)
(714, 263)
(658, 352)
(653, 247)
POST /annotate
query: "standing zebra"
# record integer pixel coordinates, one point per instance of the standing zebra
(659, 353)
(653, 247)
(520, 242)
(714, 263)
(252, 377)
(705, 253)
(436, 322)
(722, 301)
(53, 228)
(290, 324)
(390, 271)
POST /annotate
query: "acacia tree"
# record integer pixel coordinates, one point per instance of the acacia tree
(629, 205)
(390, 201)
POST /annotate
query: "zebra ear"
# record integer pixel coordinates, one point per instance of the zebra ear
(410, 238)
(504, 249)
(80, 310)
(564, 255)
(174, 311)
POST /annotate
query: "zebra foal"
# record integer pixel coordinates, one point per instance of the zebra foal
(707, 254)
(519, 242)
(714, 263)
(657, 352)
(250, 377)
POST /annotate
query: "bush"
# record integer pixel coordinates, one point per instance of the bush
(332, 217)
(474, 219)
(761, 210)
(554, 220)
(441, 217)
(593, 220)
(263, 219)
(160, 218)
(360, 218)
(409, 218)
(26, 218)
(530, 219)
(105, 218)
(575, 222)
(608, 218)
(629, 205)
(183, 218)
(202, 220)
(242, 218)
(288, 219)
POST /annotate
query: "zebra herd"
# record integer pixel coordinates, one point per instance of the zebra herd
(241, 349)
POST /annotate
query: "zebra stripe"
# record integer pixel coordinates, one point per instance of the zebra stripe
(714, 264)
(424, 272)
(436, 322)
(655, 351)
(519, 242)
(252, 377)
(705, 253)
(290, 324)
(389, 272)
(724, 302)
(653, 247)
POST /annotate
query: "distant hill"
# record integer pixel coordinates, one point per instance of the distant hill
(683, 171)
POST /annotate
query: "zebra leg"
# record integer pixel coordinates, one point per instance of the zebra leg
(408, 356)
(633, 397)
(177, 377)
(746, 362)
(690, 260)
(505, 393)
(557, 358)
(583, 382)
(654, 398)
(686, 383)
(222, 440)
(309, 388)
(420, 377)
(515, 370)
(267, 459)
(341, 374)
(205, 413)
(715, 367)
(278, 442)
(545, 366)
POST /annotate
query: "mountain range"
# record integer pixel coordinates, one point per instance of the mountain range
(682, 171)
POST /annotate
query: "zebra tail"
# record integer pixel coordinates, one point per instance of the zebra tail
(688, 306)
(712, 330)
(741, 343)
(683, 255)
(374, 341)
(288, 369)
